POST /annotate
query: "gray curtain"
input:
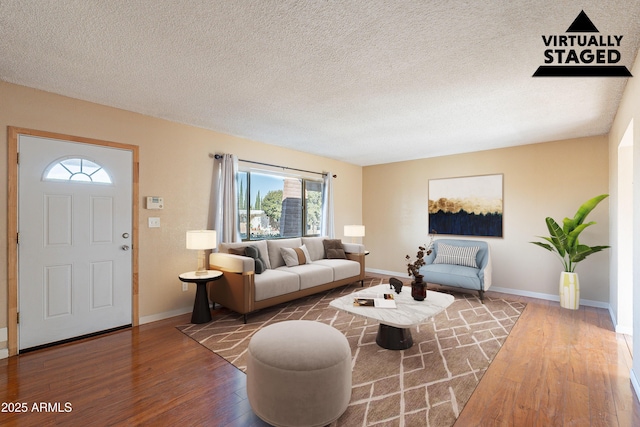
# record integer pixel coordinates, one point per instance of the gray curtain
(327, 228)
(224, 200)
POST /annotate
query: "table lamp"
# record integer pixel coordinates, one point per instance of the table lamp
(201, 240)
(354, 231)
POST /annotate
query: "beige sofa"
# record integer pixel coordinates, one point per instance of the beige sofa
(243, 291)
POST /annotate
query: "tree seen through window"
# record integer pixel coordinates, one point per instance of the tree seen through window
(272, 206)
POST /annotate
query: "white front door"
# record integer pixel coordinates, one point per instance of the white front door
(75, 225)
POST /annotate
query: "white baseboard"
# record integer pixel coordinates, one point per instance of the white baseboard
(538, 295)
(597, 304)
(404, 275)
(627, 330)
(624, 330)
(634, 382)
(614, 320)
(548, 297)
(165, 315)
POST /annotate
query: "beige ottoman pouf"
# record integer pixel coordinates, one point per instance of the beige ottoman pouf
(299, 373)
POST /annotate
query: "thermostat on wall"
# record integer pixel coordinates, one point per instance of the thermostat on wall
(155, 202)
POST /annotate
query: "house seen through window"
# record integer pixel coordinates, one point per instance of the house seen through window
(272, 206)
(78, 170)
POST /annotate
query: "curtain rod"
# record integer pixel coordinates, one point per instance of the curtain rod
(218, 157)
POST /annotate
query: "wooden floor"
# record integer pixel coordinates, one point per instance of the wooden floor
(557, 368)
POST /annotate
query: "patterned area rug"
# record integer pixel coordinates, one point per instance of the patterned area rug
(426, 385)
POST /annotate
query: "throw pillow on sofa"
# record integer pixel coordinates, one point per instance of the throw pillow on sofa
(237, 251)
(334, 249)
(457, 255)
(254, 252)
(295, 256)
(251, 252)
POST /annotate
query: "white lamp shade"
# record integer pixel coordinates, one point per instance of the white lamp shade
(201, 239)
(354, 230)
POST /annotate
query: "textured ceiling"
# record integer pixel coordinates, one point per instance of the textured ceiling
(363, 81)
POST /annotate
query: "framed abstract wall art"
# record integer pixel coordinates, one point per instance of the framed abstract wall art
(467, 206)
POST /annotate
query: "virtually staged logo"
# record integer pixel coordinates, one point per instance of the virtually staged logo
(582, 55)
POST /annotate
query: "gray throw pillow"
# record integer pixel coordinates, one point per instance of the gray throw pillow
(254, 252)
(237, 251)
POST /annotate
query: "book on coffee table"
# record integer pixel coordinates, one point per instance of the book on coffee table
(374, 300)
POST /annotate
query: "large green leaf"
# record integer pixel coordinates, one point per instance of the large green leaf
(543, 245)
(573, 235)
(583, 251)
(558, 237)
(581, 214)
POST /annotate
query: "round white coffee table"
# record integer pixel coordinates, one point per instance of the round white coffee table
(394, 332)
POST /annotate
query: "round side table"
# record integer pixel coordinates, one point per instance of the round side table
(201, 312)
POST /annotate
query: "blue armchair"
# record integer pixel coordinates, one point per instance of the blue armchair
(456, 267)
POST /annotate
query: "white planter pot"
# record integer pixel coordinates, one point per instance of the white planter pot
(569, 290)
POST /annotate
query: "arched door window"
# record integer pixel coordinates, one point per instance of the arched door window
(78, 170)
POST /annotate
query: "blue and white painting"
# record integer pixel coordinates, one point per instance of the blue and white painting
(467, 206)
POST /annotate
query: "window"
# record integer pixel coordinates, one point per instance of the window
(78, 170)
(313, 204)
(272, 206)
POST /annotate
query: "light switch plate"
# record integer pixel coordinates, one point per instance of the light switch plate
(154, 222)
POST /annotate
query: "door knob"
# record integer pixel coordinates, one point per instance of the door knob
(125, 247)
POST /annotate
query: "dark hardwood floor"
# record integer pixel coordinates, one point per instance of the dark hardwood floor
(557, 368)
(148, 375)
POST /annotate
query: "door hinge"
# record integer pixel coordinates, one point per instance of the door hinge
(18, 158)
(18, 317)
(18, 238)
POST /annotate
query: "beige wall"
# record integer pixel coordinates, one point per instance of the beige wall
(628, 112)
(549, 179)
(174, 164)
(540, 180)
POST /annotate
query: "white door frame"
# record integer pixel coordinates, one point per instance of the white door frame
(12, 223)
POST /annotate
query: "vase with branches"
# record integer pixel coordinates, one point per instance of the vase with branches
(418, 287)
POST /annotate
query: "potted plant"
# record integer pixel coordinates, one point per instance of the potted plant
(563, 241)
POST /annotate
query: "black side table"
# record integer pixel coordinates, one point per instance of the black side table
(201, 312)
